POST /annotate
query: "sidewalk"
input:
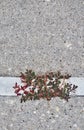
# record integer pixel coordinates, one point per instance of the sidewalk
(43, 35)
(39, 115)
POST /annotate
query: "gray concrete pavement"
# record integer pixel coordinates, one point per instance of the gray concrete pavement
(39, 115)
(42, 35)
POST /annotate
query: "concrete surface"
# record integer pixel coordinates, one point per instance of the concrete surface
(41, 115)
(42, 35)
(7, 83)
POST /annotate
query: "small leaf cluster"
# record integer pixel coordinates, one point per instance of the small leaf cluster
(51, 84)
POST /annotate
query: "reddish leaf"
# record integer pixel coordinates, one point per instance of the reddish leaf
(26, 92)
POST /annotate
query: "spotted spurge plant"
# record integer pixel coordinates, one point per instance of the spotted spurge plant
(43, 86)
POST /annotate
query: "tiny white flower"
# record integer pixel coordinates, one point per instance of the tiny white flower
(43, 87)
(47, 82)
(23, 84)
(29, 88)
(21, 91)
(37, 86)
(49, 86)
(36, 90)
(33, 80)
(62, 84)
(53, 79)
(52, 90)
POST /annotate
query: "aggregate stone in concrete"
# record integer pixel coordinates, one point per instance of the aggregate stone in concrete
(41, 115)
(42, 35)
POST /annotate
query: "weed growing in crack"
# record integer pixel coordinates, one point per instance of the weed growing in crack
(43, 86)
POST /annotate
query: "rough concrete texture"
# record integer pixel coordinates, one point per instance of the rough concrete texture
(41, 115)
(43, 35)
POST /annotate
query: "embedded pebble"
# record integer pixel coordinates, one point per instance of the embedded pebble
(68, 45)
(75, 125)
(34, 112)
(56, 115)
(83, 109)
(11, 125)
(57, 109)
(47, 0)
(48, 112)
(53, 121)
(3, 113)
(43, 115)
(64, 101)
